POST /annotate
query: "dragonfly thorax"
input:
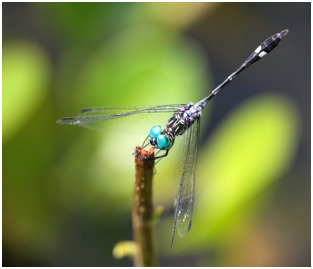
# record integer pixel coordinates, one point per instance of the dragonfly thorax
(184, 118)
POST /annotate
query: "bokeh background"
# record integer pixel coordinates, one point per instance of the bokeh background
(67, 191)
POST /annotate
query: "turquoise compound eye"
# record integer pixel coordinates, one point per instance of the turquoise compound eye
(155, 131)
(164, 142)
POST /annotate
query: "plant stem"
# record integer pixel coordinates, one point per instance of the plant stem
(143, 208)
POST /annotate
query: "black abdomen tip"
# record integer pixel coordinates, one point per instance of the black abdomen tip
(284, 32)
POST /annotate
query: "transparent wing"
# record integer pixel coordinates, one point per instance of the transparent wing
(186, 187)
(129, 119)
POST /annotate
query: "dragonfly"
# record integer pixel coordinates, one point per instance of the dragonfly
(185, 122)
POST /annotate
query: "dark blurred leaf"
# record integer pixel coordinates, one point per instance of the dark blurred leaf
(76, 24)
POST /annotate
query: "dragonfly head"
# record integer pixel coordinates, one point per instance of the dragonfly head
(159, 139)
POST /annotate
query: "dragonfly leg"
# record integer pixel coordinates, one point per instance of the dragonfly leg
(159, 157)
(143, 144)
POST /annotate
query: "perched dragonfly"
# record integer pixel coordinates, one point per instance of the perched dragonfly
(185, 121)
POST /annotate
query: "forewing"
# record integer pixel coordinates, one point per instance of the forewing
(186, 187)
(131, 119)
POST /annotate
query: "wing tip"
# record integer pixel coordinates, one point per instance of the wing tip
(66, 121)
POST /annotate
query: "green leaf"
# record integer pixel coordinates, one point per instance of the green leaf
(26, 76)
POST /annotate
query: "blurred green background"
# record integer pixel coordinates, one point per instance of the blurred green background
(67, 191)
